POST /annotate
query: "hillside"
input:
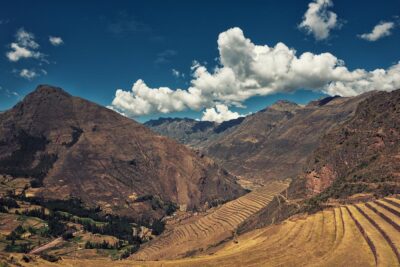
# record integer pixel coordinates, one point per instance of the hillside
(189, 131)
(362, 155)
(273, 143)
(205, 231)
(69, 147)
(348, 235)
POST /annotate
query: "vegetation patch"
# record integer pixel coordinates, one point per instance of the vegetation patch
(76, 134)
(157, 203)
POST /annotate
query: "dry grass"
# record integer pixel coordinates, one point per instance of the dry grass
(365, 234)
(198, 235)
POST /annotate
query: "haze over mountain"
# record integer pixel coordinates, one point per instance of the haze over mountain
(71, 147)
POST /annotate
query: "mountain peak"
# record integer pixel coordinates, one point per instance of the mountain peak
(323, 101)
(46, 89)
(72, 147)
(284, 105)
(161, 120)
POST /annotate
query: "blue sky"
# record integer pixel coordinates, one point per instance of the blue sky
(110, 45)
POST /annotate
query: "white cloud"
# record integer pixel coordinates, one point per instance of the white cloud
(25, 46)
(318, 21)
(26, 39)
(379, 31)
(219, 114)
(143, 100)
(177, 73)
(56, 41)
(248, 70)
(28, 74)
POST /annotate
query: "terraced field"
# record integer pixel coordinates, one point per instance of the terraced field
(365, 234)
(210, 229)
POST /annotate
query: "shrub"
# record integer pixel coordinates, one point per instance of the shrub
(18, 248)
(129, 251)
(8, 202)
(67, 235)
(49, 257)
(158, 227)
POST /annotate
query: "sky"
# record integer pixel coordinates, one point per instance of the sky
(208, 60)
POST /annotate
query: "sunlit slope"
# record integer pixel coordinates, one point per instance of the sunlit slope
(365, 234)
(210, 229)
(353, 235)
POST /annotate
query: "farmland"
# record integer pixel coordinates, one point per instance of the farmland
(210, 229)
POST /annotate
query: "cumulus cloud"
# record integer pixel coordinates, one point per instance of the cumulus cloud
(318, 20)
(24, 46)
(246, 70)
(28, 74)
(219, 114)
(56, 41)
(379, 31)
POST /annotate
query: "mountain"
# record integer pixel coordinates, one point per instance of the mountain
(273, 143)
(361, 155)
(184, 130)
(356, 161)
(189, 131)
(70, 147)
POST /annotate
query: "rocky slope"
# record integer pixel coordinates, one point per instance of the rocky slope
(355, 161)
(276, 142)
(70, 147)
(362, 155)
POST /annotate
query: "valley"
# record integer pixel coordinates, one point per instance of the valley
(74, 193)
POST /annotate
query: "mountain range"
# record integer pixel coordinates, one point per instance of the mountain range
(82, 185)
(273, 143)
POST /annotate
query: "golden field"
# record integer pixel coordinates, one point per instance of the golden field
(365, 234)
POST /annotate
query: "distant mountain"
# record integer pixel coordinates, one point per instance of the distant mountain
(190, 131)
(70, 147)
(273, 143)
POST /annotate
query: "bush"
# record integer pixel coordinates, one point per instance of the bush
(67, 235)
(18, 248)
(16, 233)
(129, 251)
(158, 227)
(8, 202)
(102, 245)
(56, 228)
(39, 213)
(49, 257)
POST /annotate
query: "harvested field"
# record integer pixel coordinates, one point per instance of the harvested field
(363, 234)
(211, 229)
